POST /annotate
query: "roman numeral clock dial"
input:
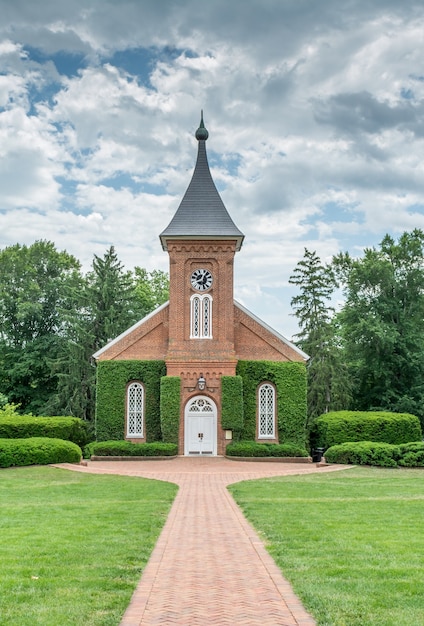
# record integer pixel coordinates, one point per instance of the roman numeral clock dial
(201, 279)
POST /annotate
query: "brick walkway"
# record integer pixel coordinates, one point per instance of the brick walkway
(209, 567)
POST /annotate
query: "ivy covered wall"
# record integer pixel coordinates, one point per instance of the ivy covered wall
(239, 397)
(290, 382)
(170, 395)
(112, 379)
(232, 405)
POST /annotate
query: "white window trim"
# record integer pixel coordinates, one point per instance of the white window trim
(203, 331)
(139, 422)
(270, 413)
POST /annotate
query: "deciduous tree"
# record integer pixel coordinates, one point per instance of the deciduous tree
(35, 288)
(383, 323)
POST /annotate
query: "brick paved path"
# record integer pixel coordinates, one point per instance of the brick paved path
(209, 567)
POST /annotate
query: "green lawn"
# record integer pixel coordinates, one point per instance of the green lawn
(73, 546)
(350, 542)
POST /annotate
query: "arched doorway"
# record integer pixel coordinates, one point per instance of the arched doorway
(200, 417)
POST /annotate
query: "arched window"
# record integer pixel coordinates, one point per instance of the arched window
(266, 411)
(201, 317)
(135, 410)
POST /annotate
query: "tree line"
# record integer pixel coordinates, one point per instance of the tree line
(53, 317)
(368, 354)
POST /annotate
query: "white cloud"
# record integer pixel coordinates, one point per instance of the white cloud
(315, 114)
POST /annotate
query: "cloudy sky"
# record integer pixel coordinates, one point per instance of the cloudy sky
(315, 112)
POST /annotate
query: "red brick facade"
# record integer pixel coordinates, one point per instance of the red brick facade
(236, 335)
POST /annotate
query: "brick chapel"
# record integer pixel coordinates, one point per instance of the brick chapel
(201, 340)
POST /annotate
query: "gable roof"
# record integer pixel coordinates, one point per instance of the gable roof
(131, 330)
(135, 333)
(201, 213)
(271, 330)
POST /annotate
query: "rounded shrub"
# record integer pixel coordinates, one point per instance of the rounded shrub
(38, 451)
(341, 426)
(411, 454)
(14, 426)
(363, 453)
(127, 448)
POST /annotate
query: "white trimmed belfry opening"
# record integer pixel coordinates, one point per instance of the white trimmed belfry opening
(200, 427)
(200, 317)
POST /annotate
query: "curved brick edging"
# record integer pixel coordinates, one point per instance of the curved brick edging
(255, 459)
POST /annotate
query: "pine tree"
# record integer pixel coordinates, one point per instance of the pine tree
(327, 381)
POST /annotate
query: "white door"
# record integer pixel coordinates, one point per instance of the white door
(200, 426)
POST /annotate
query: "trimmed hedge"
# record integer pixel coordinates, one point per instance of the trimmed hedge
(38, 451)
(363, 453)
(377, 453)
(126, 448)
(112, 380)
(170, 398)
(253, 449)
(289, 380)
(339, 427)
(411, 454)
(14, 426)
(232, 404)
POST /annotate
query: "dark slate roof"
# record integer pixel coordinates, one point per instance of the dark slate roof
(202, 213)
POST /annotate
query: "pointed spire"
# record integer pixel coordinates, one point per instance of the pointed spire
(201, 132)
(201, 213)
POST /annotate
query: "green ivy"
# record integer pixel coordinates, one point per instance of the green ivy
(170, 396)
(289, 380)
(162, 399)
(232, 405)
(112, 379)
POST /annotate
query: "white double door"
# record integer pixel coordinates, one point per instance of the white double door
(200, 418)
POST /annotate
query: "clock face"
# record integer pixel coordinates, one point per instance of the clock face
(201, 279)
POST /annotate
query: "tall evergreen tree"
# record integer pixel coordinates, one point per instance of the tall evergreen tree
(327, 382)
(53, 318)
(113, 301)
(110, 300)
(106, 306)
(151, 288)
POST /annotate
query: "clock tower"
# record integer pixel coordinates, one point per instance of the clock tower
(201, 241)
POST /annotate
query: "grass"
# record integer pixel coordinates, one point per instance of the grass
(73, 546)
(351, 543)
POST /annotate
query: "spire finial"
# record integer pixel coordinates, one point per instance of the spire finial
(201, 132)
